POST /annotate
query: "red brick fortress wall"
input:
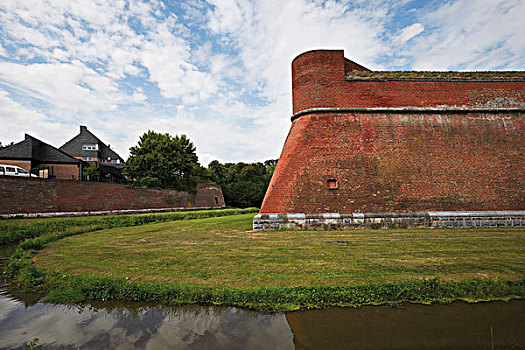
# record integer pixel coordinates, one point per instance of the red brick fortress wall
(398, 145)
(28, 195)
(400, 162)
(319, 80)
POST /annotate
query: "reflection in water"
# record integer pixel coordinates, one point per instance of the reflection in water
(140, 327)
(114, 325)
(451, 326)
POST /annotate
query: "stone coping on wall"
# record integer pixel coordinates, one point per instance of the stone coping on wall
(103, 212)
(390, 219)
(489, 76)
(410, 110)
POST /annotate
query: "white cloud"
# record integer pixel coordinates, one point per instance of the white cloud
(472, 35)
(18, 120)
(72, 86)
(409, 32)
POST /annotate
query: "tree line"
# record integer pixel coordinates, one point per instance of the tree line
(165, 161)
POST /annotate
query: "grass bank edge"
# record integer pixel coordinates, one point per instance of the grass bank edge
(76, 225)
(31, 278)
(66, 288)
(63, 288)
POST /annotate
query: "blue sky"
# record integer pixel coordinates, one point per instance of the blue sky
(219, 70)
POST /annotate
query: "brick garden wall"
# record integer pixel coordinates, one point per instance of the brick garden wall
(26, 195)
(393, 162)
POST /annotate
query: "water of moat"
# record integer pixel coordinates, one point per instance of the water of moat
(117, 325)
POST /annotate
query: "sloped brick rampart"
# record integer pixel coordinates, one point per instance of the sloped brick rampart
(398, 146)
(26, 195)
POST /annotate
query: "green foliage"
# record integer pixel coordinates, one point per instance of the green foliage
(91, 173)
(16, 230)
(243, 185)
(150, 182)
(169, 160)
(78, 288)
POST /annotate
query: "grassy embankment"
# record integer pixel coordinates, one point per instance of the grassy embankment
(219, 260)
(13, 230)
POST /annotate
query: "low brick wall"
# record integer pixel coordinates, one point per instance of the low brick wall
(28, 195)
(390, 220)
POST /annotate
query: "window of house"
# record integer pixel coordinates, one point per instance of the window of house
(116, 161)
(332, 184)
(216, 200)
(87, 159)
(90, 147)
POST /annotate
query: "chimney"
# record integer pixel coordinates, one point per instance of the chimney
(82, 128)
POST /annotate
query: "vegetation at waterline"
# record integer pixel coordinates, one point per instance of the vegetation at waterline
(13, 230)
(219, 260)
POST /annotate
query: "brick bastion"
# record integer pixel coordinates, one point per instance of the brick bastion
(399, 144)
(30, 197)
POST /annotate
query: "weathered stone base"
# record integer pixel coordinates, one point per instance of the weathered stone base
(391, 220)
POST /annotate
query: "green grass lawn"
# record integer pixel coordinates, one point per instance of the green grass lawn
(224, 252)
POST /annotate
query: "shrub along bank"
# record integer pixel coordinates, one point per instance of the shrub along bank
(13, 230)
(216, 261)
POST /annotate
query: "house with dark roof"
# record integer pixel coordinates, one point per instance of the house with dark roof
(42, 159)
(87, 147)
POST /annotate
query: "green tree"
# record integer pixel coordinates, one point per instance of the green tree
(243, 185)
(91, 173)
(160, 159)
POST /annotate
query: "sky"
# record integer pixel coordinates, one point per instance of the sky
(218, 71)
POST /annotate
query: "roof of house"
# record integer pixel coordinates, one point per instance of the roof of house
(86, 137)
(34, 149)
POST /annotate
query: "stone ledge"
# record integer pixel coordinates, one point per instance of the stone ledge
(390, 220)
(410, 110)
(103, 212)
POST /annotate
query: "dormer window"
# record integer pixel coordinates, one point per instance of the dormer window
(90, 147)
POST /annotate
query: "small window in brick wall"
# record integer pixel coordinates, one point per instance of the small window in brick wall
(332, 184)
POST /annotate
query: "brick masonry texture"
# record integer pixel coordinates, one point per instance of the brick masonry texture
(318, 80)
(398, 162)
(26, 195)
